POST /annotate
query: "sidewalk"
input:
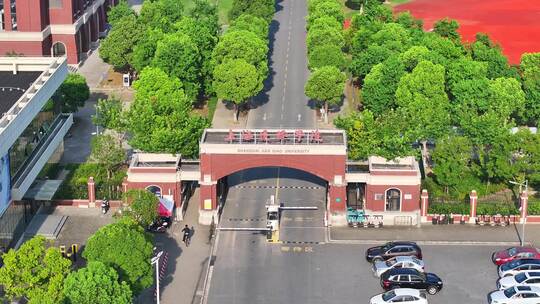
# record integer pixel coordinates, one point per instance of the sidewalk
(430, 234)
(223, 118)
(186, 267)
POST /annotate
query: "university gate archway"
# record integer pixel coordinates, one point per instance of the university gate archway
(223, 152)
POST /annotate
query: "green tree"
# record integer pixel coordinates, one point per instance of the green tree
(423, 102)
(447, 28)
(463, 69)
(327, 8)
(72, 93)
(484, 50)
(312, 4)
(256, 25)
(236, 80)
(117, 48)
(325, 22)
(411, 57)
(526, 157)
(205, 38)
(119, 11)
(34, 272)
(393, 37)
(107, 151)
(530, 69)
(109, 114)
(144, 51)
(452, 156)
(362, 63)
(324, 36)
(326, 55)
(206, 13)
(96, 283)
(258, 8)
(143, 206)
(125, 247)
(326, 85)
(159, 119)
(380, 85)
(179, 56)
(161, 14)
(245, 45)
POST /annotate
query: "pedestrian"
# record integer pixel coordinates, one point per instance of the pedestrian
(187, 234)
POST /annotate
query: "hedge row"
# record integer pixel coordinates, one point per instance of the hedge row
(482, 208)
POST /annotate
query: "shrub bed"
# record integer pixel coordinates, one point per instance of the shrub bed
(75, 184)
(482, 208)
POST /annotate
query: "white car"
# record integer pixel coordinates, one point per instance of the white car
(400, 295)
(516, 295)
(397, 262)
(530, 278)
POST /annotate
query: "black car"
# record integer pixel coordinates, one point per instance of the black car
(411, 278)
(393, 249)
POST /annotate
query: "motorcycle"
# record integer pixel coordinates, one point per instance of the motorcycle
(105, 206)
(160, 225)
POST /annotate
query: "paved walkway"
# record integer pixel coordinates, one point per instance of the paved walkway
(94, 69)
(223, 118)
(446, 234)
(186, 267)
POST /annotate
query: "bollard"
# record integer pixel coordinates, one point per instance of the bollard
(63, 250)
(74, 251)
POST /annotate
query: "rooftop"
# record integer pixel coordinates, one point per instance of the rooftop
(274, 137)
(154, 160)
(13, 86)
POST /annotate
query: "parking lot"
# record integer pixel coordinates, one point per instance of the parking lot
(249, 270)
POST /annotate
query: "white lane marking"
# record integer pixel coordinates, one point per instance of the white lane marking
(264, 116)
(299, 117)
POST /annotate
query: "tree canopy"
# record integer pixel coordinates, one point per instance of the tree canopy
(178, 56)
(143, 206)
(326, 55)
(242, 44)
(72, 93)
(34, 272)
(96, 283)
(258, 8)
(159, 118)
(125, 247)
(117, 48)
(107, 150)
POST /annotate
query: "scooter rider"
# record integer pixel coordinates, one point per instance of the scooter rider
(105, 205)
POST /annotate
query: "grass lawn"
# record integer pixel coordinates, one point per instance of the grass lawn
(223, 8)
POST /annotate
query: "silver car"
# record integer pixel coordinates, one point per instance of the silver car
(522, 278)
(397, 262)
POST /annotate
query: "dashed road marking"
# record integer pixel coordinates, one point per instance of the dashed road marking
(280, 187)
(246, 219)
(297, 249)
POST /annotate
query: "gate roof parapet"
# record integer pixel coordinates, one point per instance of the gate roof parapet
(274, 141)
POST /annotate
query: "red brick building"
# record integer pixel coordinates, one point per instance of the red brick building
(378, 186)
(52, 27)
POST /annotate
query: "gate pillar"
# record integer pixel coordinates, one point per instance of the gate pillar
(208, 203)
(337, 196)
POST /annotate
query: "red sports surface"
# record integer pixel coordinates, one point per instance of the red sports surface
(514, 24)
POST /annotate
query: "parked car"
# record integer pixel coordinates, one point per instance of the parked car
(515, 295)
(516, 266)
(400, 295)
(411, 278)
(531, 278)
(393, 249)
(398, 262)
(514, 253)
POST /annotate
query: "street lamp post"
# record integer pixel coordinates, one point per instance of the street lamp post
(526, 184)
(155, 260)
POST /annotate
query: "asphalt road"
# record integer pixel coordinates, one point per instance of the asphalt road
(282, 102)
(256, 272)
(250, 190)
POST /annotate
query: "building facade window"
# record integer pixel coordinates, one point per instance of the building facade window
(2, 24)
(59, 49)
(55, 4)
(393, 200)
(13, 9)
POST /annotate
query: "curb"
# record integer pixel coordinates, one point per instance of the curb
(432, 242)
